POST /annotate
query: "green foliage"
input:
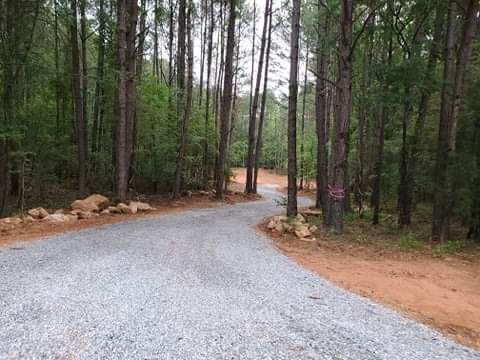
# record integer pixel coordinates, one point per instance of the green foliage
(409, 241)
(450, 247)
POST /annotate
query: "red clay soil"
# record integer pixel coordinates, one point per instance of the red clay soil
(163, 205)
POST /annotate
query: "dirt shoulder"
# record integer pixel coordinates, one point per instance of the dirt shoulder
(441, 292)
(163, 205)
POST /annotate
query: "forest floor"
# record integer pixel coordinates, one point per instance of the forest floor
(440, 288)
(162, 204)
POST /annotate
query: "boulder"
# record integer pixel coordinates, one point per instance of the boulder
(133, 206)
(11, 221)
(38, 213)
(279, 228)
(280, 218)
(141, 206)
(271, 225)
(302, 232)
(313, 228)
(125, 209)
(300, 218)
(91, 203)
(59, 218)
(28, 219)
(113, 210)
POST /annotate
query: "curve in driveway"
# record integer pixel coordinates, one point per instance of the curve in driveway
(202, 284)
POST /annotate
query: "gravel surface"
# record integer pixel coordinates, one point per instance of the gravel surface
(202, 284)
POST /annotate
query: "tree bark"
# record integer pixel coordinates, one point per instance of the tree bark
(226, 102)
(321, 115)
(188, 109)
(81, 128)
(292, 111)
(98, 101)
(250, 186)
(342, 118)
(452, 95)
(407, 184)
(258, 146)
(302, 124)
(207, 96)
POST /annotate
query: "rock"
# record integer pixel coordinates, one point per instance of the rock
(11, 221)
(313, 228)
(307, 239)
(300, 218)
(124, 208)
(302, 232)
(113, 210)
(189, 193)
(204, 193)
(91, 203)
(59, 218)
(280, 218)
(105, 212)
(141, 206)
(133, 206)
(271, 225)
(59, 211)
(28, 219)
(38, 213)
(279, 228)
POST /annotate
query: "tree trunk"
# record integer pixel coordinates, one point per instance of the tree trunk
(250, 186)
(126, 94)
(226, 102)
(342, 118)
(182, 5)
(321, 117)
(382, 120)
(292, 111)
(258, 146)
(207, 95)
(81, 128)
(302, 124)
(452, 95)
(98, 101)
(406, 198)
(188, 109)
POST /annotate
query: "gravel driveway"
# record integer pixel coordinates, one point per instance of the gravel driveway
(202, 284)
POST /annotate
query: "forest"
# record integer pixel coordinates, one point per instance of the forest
(373, 104)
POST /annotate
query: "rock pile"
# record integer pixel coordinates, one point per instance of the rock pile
(297, 226)
(90, 207)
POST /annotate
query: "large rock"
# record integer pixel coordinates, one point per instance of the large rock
(59, 218)
(11, 221)
(125, 209)
(302, 232)
(93, 203)
(113, 210)
(38, 213)
(86, 215)
(141, 206)
(300, 218)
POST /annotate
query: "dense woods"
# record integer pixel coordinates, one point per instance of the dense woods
(372, 103)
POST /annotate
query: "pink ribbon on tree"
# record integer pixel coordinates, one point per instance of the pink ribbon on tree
(336, 193)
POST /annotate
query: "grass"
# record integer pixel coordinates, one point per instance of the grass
(388, 235)
(409, 241)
